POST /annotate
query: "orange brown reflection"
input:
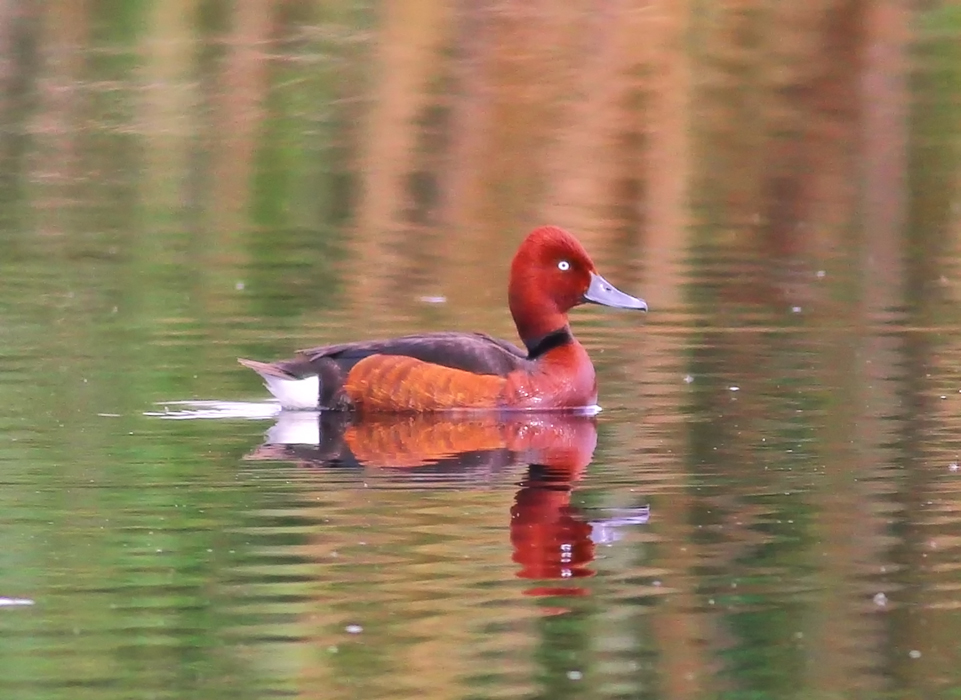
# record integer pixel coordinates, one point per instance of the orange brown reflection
(551, 538)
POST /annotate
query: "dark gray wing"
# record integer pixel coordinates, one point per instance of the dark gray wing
(472, 352)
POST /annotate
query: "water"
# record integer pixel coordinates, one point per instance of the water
(769, 504)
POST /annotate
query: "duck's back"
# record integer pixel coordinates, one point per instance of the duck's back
(472, 352)
(411, 361)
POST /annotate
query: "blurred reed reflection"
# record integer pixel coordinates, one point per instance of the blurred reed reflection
(551, 539)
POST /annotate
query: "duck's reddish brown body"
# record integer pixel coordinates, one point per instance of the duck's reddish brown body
(551, 273)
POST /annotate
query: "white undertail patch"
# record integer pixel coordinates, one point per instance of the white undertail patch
(294, 393)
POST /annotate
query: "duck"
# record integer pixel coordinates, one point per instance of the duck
(550, 274)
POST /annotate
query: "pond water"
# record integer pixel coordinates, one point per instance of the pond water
(769, 503)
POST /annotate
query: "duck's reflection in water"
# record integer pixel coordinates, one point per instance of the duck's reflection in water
(551, 538)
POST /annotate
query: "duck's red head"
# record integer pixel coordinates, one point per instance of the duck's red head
(551, 274)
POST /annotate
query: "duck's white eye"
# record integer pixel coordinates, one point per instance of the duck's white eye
(564, 266)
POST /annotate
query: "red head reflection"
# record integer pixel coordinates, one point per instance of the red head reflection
(551, 539)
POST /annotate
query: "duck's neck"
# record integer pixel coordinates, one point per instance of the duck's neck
(540, 325)
(537, 347)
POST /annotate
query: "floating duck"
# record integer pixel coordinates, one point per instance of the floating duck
(551, 273)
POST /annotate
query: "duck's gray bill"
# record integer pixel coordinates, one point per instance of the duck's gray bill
(603, 292)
